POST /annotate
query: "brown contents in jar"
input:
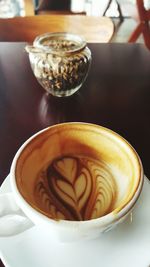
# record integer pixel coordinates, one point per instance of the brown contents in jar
(61, 69)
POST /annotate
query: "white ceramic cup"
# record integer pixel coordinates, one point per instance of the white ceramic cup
(76, 180)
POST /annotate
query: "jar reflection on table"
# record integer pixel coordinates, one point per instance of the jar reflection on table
(54, 110)
(60, 62)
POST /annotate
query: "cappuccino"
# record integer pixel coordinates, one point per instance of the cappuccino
(76, 179)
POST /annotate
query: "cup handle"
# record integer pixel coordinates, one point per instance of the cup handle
(12, 219)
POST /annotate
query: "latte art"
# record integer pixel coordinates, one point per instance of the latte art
(75, 188)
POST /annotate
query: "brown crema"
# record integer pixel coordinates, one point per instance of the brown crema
(75, 188)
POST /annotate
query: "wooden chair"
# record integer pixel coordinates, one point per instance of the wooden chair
(42, 7)
(118, 7)
(143, 25)
(29, 8)
(53, 7)
(94, 29)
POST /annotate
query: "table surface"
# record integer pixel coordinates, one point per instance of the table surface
(116, 95)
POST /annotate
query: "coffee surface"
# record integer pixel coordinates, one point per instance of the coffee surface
(75, 188)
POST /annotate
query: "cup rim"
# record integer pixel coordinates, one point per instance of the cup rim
(113, 216)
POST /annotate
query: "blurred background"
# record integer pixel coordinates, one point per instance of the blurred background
(122, 12)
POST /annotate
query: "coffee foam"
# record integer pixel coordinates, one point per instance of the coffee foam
(76, 188)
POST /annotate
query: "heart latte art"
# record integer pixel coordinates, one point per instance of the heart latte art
(75, 188)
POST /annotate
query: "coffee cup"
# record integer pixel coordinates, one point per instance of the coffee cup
(76, 180)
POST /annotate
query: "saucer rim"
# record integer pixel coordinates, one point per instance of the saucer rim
(4, 188)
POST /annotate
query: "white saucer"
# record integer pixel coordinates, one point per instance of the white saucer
(128, 245)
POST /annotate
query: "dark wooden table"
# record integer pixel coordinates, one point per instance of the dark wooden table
(116, 95)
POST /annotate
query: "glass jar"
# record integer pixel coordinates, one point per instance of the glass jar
(60, 62)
